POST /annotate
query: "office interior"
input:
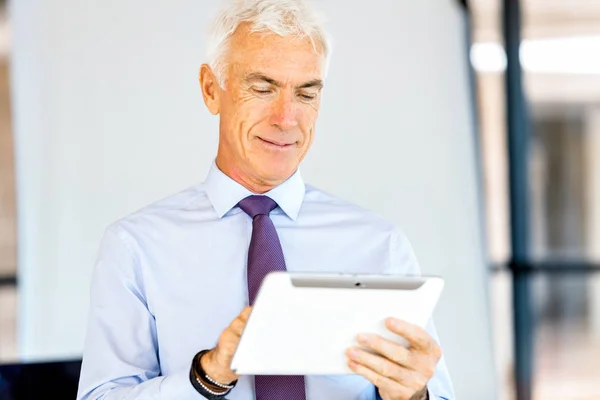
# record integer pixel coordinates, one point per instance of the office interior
(491, 166)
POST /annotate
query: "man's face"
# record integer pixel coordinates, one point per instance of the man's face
(269, 107)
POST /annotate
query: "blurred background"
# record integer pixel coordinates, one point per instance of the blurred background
(495, 161)
(558, 168)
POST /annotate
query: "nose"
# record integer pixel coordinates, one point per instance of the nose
(284, 113)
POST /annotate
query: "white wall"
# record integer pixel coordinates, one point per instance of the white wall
(108, 117)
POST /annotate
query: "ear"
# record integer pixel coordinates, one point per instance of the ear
(210, 88)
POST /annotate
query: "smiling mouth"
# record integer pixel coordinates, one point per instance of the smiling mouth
(276, 144)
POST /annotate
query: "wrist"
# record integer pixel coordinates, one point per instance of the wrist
(213, 389)
(208, 387)
(214, 370)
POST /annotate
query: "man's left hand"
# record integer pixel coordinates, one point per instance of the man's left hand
(399, 372)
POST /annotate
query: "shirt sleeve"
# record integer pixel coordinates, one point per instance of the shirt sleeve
(404, 261)
(120, 357)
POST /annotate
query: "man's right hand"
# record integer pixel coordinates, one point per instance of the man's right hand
(217, 362)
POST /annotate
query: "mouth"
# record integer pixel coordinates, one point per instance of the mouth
(276, 144)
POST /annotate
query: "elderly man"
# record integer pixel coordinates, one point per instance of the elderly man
(175, 281)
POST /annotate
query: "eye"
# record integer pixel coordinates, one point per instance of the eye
(307, 97)
(261, 90)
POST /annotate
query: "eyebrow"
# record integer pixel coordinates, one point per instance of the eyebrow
(257, 76)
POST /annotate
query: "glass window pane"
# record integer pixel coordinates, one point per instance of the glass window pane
(562, 81)
(561, 73)
(567, 337)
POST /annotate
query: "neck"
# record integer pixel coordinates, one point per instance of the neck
(256, 186)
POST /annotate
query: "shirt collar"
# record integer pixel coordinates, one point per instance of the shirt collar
(224, 193)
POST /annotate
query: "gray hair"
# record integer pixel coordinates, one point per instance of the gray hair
(282, 17)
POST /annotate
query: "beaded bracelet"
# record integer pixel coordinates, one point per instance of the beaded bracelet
(197, 375)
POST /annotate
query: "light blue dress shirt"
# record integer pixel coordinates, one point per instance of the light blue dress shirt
(172, 276)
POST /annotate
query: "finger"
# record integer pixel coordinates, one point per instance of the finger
(227, 343)
(237, 326)
(378, 364)
(416, 336)
(245, 313)
(393, 351)
(383, 383)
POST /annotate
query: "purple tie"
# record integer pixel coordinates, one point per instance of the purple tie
(265, 255)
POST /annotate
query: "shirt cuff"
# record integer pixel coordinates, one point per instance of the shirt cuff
(431, 396)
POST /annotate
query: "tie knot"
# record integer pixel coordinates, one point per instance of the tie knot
(257, 205)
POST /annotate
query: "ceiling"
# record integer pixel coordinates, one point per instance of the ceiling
(541, 18)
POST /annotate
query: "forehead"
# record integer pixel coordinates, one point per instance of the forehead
(288, 58)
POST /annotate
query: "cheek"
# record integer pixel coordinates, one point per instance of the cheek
(253, 116)
(307, 122)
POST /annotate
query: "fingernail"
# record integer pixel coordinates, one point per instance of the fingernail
(363, 339)
(353, 352)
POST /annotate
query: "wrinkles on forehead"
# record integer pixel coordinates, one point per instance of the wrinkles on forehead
(283, 60)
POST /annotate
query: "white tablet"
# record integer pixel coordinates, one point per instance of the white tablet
(302, 323)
